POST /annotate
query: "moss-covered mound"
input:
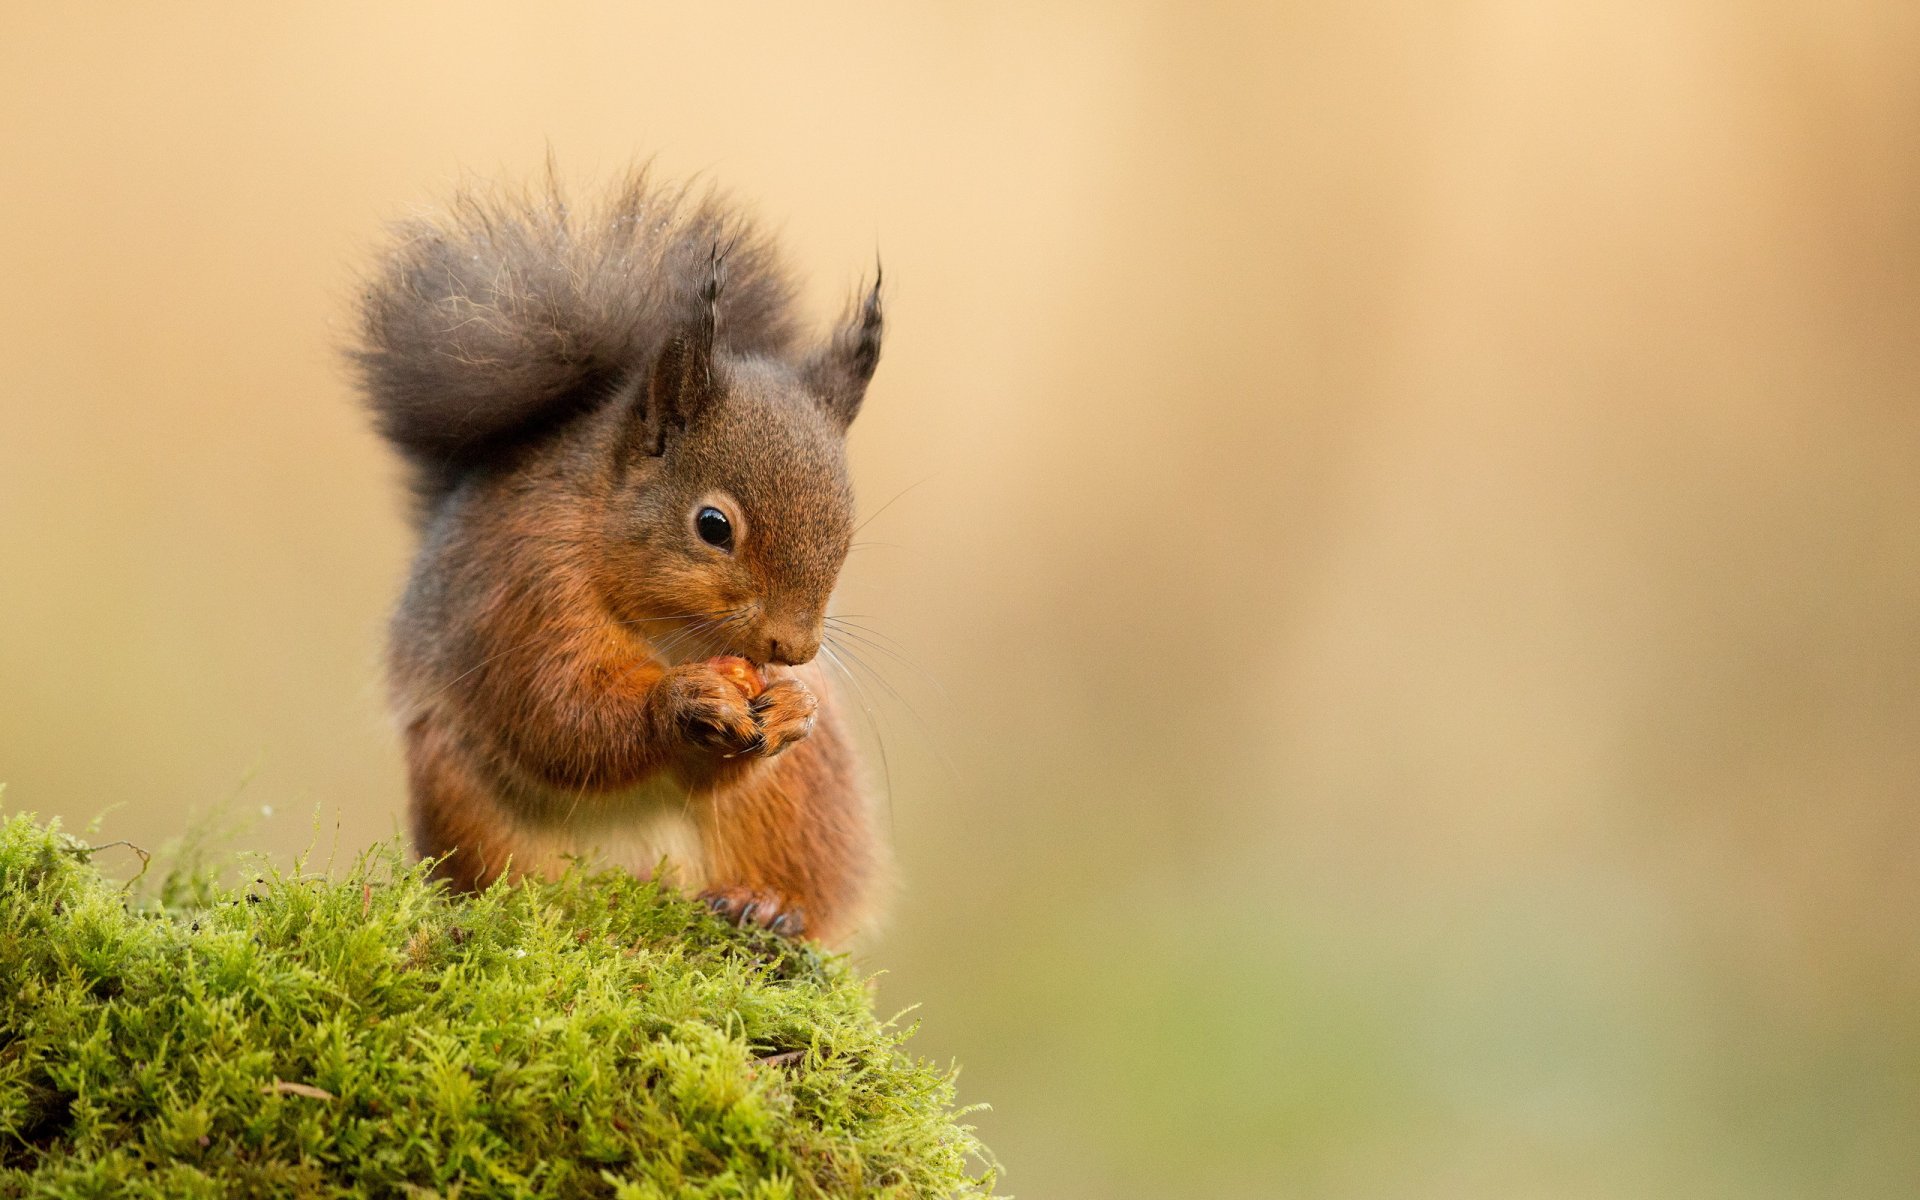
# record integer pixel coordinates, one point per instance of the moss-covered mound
(374, 1036)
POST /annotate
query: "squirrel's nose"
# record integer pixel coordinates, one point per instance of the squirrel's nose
(792, 649)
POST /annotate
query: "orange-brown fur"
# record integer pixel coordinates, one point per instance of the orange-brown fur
(578, 669)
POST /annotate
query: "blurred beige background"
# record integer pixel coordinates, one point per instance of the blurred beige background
(1413, 511)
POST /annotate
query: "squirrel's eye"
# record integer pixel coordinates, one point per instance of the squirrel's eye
(714, 528)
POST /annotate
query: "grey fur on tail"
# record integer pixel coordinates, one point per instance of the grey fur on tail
(509, 311)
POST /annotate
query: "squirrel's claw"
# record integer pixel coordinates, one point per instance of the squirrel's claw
(787, 712)
(746, 906)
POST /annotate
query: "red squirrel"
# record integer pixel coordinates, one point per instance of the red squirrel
(632, 497)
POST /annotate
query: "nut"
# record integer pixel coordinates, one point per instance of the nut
(741, 673)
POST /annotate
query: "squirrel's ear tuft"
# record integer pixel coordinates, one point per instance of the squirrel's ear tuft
(680, 386)
(840, 372)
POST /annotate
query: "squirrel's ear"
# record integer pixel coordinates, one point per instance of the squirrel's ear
(839, 373)
(681, 382)
(676, 390)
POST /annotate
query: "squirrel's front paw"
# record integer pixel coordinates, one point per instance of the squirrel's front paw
(709, 709)
(786, 712)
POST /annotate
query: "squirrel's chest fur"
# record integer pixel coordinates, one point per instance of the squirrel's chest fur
(649, 828)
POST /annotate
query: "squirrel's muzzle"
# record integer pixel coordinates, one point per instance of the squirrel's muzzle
(789, 647)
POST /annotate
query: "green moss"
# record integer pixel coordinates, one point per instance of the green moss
(374, 1036)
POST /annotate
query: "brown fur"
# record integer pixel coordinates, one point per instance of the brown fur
(571, 392)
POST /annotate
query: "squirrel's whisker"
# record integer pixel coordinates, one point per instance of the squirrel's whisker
(695, 633)
(926, 730)
(889, 504)
(874, 640)
(873, 724)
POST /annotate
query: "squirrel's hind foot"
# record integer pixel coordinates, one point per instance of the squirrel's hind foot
(748, 906)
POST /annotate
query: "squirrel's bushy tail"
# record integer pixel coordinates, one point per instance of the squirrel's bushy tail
(509, 312)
